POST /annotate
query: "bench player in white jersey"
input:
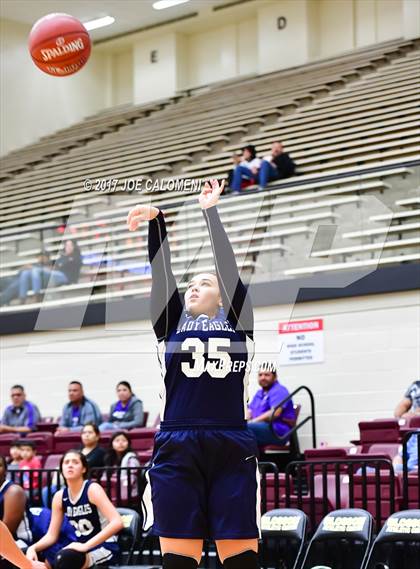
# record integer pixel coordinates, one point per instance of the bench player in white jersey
(91, 513)
(204, 480)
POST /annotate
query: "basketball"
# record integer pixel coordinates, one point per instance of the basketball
(59, 44)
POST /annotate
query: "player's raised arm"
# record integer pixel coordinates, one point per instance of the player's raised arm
(165, 301)
(236, 300)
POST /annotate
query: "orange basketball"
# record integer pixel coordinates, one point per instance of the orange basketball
(59, 44)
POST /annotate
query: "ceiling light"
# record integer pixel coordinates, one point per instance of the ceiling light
(99, 23)
(162, 4)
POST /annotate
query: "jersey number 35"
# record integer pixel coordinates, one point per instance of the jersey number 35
(218, 368)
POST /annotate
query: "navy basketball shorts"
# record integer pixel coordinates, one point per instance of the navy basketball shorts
(203, 483)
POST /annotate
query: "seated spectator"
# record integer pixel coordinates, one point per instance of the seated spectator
(27, 279)
(13, 505)
(21, 416)
(15, 456)
(29, 461)
(95, 455)
(412, 456)
(409, 406)
(120, 454)
(79, 410)
(236, 160)
(262, 406)
(275, 166)
(247, 169)
(126, 413)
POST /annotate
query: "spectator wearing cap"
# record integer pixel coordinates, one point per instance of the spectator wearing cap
(79, 410)
(247, 169)
(275, 166)
(22, 415)
(262, 406)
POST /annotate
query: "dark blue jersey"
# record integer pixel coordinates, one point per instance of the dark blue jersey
(83, 515)
(3, 489)
(23, 532)
(205, 361)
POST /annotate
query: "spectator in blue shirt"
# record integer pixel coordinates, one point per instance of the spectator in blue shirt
(21, 416)
(261, 409)
(79, 410)
(412, 456)
(409, 406)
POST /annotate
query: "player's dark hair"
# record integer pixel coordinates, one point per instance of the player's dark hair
(3, 460)
(83, 460)
(94, 427)
(126, 384)
(112, 458)
(17, 386)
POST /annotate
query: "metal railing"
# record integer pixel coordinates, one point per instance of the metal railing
(282, 439)
(319, 496)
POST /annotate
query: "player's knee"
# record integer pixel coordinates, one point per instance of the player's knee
(175, 561)
(69, 559)
(246, 560)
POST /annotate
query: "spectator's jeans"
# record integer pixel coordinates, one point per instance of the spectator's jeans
(264, 435)
(267, 173)
(34, 277)
(10, 292)
(240, 173)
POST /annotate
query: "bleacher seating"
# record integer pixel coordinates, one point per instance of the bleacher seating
(342, 120)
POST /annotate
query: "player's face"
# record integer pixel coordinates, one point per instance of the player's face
(120, 444)
(202, 295)
(266, 379)
(72, 467)
(89, 437)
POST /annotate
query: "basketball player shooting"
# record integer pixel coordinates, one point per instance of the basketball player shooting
(204, 480)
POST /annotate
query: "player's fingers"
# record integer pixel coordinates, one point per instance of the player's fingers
(130, 215)
(222, 186)
(137, 219)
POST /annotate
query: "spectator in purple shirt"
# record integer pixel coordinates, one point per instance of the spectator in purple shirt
(261, 409)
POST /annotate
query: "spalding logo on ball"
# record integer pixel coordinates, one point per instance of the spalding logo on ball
(59, 44)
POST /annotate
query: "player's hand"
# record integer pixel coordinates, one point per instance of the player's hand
(38, 565)
(77, 546)
(210, 194)
(31, 554)
(140, 213)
